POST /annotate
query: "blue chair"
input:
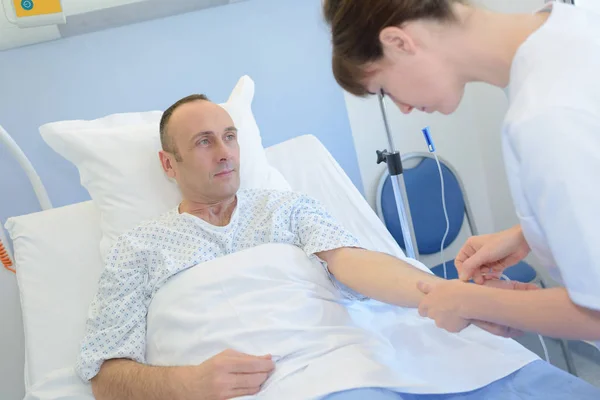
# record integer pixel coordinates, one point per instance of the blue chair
(424, 197)
(422, 181)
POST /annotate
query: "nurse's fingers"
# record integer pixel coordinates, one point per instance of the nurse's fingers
(498, 330)
(472, 266)
(511, 285)
(527, 286)
(423, 309)
(466, 252)
(425, 288)
(478, 276)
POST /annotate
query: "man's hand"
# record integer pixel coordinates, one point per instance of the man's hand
(487, 256)
(227, 375)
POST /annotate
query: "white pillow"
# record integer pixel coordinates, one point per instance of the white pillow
(117, 159)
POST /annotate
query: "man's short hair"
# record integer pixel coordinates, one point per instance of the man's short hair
(165, 140)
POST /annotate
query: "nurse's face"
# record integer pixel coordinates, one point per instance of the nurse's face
(415, 73)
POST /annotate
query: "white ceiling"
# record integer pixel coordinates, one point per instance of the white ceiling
(85, 16)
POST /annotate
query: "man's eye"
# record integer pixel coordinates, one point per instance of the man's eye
(203, 142)
(231, 137)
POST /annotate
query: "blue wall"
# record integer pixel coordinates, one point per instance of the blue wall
(282, 44)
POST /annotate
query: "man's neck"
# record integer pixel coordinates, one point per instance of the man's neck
(215, 213)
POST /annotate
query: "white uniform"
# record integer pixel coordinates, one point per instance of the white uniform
(551, 140)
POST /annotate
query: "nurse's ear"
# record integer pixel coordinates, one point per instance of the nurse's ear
(396, 40)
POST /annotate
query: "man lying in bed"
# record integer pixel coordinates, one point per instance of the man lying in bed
(200, 151)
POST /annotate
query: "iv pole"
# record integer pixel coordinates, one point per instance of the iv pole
(394, 163)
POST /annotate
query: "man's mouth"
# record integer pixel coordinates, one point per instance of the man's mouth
(224, 173)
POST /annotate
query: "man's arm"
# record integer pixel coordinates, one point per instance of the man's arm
(377, 275)
(227, 375)
(116, 324)
(121, 379)
(393, 281)
(368, 273)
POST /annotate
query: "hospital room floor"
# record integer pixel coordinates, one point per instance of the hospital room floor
(585, 357)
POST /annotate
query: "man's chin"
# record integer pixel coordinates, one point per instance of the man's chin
(232, 188)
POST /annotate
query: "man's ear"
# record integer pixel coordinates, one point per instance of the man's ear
(396, 40)
(167, 160)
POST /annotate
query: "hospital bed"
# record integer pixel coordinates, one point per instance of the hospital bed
(55, 296)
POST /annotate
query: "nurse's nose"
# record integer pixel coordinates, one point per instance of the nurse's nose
(406, 109)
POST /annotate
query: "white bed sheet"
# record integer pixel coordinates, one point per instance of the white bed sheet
(58, 249)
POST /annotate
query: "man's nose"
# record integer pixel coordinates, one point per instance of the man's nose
(223, 151)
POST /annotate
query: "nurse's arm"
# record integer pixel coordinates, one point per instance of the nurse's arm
(549, 312)
(558, 164)
(377, 275)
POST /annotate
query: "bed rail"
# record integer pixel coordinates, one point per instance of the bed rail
(38, 187)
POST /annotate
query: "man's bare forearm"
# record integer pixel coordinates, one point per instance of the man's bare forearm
(377, 275)
(128, 380)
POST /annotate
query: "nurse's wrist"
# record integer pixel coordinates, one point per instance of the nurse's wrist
(473, 300)
(517, 231)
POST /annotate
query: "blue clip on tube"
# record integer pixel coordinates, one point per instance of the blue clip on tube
(427, 135)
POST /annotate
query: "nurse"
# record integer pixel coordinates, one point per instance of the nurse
(421, 54)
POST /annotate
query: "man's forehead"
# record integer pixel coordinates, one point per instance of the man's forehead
(191, 117)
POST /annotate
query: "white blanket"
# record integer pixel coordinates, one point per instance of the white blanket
(274, 300)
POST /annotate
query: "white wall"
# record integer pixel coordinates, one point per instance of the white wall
(469, 139)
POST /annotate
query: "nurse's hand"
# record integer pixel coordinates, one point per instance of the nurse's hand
(445, 301)
(485, 257)
(501, 330)
(511, 285)
(442, 303)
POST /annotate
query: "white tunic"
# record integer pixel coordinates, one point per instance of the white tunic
(551, 142)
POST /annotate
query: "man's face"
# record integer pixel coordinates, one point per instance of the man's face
(207, 164)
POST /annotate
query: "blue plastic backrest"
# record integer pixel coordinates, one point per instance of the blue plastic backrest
(425, 199)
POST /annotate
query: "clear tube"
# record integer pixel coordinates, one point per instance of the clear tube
(445, 215)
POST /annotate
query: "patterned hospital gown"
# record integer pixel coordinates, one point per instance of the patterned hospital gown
(143, 259)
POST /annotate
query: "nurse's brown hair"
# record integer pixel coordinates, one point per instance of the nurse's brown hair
(356, 25)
